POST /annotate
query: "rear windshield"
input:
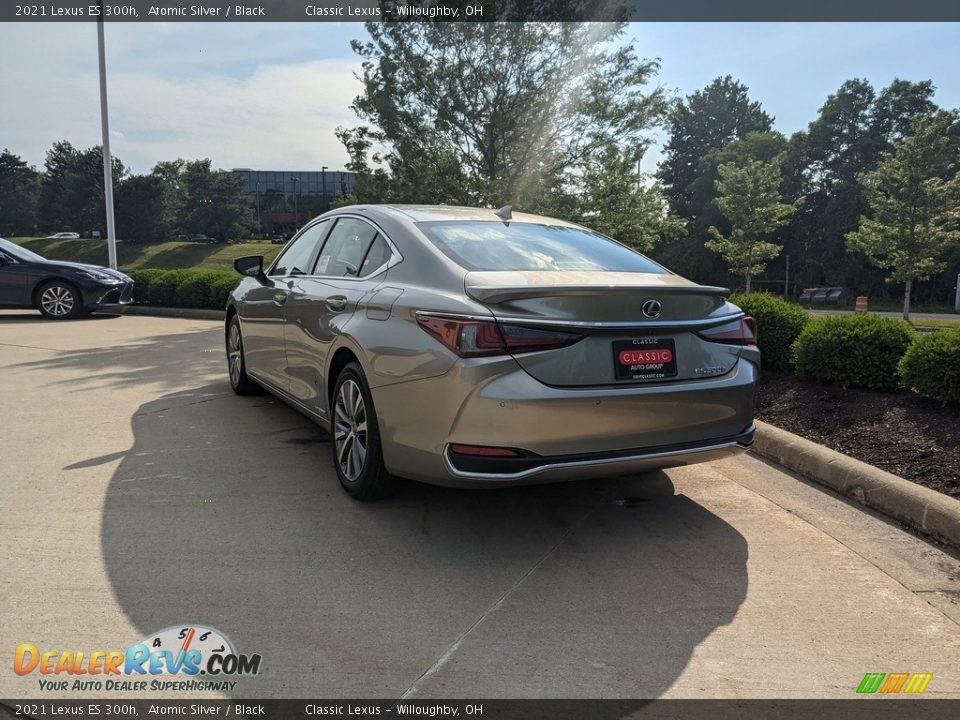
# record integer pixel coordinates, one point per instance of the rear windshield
(479, 245)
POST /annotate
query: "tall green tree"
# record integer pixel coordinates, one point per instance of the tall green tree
(214, 202)
(706, 120)
(494, 113)
(71, 189)
(913, 198)
(688, 254)
(19, 194)
(143, 209)
(749, 198)
(618, 202)
(853, 130)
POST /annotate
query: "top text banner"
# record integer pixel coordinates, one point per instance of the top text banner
(481, 10)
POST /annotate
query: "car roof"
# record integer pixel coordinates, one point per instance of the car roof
(441, 213)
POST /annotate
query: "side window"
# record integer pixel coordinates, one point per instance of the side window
(344, 250)
(296, 258)
(377, 256)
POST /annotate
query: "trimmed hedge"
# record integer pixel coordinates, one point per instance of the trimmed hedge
(853, 350)
(779, 323)
(931, 366)
(183, 288)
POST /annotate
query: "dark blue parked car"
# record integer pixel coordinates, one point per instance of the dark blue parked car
(58, 289)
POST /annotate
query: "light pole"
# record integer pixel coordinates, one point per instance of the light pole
(323, 180)
(107, 160)
(259, 224)
(296, 201)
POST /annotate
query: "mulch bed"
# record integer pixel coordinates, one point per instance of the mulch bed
(906, 435)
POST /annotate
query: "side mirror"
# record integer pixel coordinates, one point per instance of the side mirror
(250, 266)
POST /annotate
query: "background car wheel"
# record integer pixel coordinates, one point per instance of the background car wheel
(236, 364)
(59, 300)
(357, 455)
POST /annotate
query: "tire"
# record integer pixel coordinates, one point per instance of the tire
(355, 438)
(240, 382)
(59, 300)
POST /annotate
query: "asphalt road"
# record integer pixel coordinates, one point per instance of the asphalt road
(139, 493)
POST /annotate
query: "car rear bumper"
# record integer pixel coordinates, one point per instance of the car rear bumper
(483, 471)
(560, 433)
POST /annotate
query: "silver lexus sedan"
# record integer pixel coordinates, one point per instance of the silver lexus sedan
(473, 347)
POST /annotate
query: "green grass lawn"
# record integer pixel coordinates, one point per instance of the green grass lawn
(164, 256)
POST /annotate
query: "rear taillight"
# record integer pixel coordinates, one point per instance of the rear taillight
(470, 337)
(738, 332)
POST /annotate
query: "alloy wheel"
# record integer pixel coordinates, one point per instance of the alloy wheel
(57, 300)
(234, 355)
(350, 430)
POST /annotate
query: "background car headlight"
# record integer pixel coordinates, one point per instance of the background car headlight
(99, 276)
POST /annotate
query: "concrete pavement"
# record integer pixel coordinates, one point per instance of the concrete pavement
(139, 493)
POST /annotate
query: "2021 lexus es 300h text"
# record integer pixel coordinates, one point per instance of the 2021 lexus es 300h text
(468, 347)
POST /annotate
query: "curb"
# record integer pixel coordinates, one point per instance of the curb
(922, 509)
(190, 313)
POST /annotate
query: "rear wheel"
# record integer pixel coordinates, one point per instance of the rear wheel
(59, 300)
(357, 455)
(236, 364)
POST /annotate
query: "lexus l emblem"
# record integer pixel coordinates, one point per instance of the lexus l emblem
(651, 308)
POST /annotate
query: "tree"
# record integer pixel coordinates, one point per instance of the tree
(704, 121)
(914, 204)
(615, 201)
(749, 198)
(144, 211)
(493, 113)
(214, 202)
(688, 254)
(19, 191)
(854, 128)
(72, 195)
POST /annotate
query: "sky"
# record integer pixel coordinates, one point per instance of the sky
(269, 95)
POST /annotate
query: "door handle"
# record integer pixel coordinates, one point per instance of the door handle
(280, 298)
(337, 303)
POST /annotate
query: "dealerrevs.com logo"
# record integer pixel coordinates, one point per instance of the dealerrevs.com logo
(198, 657)
(893, 683)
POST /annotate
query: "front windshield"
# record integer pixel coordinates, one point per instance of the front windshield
(19, 252)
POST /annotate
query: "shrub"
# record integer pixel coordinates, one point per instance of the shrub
(142, 279)
(221, 288)
(195, 289)
(779, 323)
(183, 288)
(165, 290)
(931, 366)
(853, 350)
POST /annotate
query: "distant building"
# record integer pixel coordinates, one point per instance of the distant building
(290, 183)
(283, 200)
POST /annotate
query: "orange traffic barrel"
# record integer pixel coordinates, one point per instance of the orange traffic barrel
(861, 306)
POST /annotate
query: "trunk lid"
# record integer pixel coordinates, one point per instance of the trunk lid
(608, 309)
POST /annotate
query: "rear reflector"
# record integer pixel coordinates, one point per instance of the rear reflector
(469, 337)
(738, 332)
(483, 451)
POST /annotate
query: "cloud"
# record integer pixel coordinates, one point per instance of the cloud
(280, 117)
(167, 100)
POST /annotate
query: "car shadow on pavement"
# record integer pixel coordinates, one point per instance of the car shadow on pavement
(226, 512)
(165, 359)
(35, 316)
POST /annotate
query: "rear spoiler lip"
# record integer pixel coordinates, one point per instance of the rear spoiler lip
(498, 293)
(651, 325)
(647, 325)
